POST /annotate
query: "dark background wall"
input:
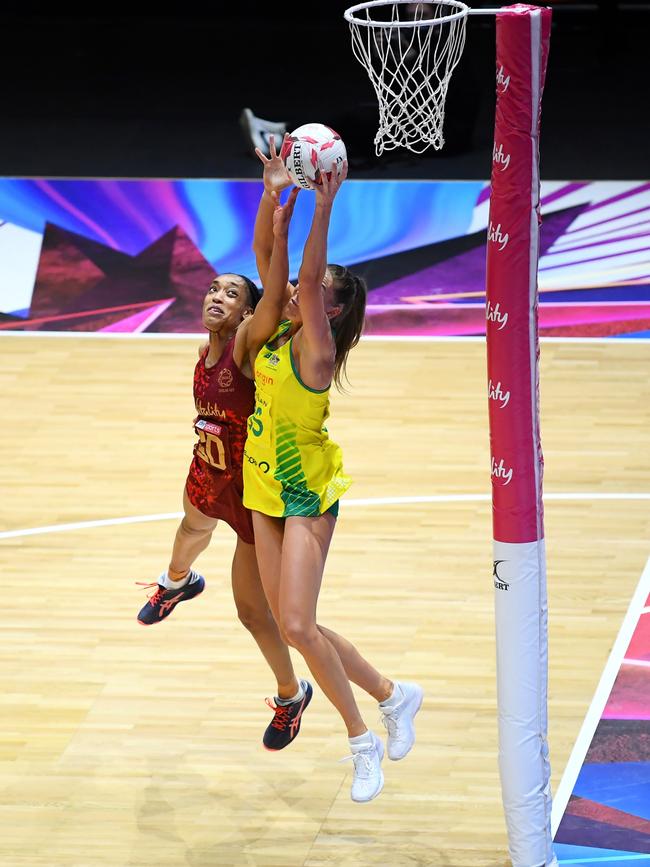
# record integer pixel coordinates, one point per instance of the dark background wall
(136, 92)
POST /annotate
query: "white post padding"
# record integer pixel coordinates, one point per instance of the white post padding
(521, 613)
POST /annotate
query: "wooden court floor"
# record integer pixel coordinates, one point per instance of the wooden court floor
(129, 746)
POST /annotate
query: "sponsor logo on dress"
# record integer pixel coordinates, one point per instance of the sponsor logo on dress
(499, 583)
(211, 410)
(225, 378)
(272, 359)
(500, 472)
(263, 378)
(496, 393)
(264, 467)
(500, 157)
(493, 314)
(503, 80)
(495, 235)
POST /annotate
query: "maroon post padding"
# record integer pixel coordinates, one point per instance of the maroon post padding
(511, 288)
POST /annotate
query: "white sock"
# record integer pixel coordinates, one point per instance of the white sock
(176, 585)
(361, 742)
(297, 696)
(395, 698)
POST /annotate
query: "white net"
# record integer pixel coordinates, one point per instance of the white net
(409, 51)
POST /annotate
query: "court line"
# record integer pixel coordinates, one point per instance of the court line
(598, 702)
(606, 859)
(350, 503)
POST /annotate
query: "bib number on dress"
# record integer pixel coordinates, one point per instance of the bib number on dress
(258, 421)
(213, 446)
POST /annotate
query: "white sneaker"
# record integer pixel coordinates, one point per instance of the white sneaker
(368, 778)
(398, 721)
(257, 131)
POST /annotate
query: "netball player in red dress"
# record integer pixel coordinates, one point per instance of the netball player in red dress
(224, 398)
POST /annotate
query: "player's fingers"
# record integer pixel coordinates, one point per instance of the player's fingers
(325, 181)
(272, 146)
(293, 195)
(262, 156)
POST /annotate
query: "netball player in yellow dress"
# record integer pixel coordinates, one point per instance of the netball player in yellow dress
(294, 476)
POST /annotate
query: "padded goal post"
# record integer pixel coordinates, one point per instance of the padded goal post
(410, 51)
(519, 569)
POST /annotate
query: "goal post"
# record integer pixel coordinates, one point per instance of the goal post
(519, 567)
(409, 51)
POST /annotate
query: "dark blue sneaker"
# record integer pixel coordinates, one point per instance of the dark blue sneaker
(163, 601)
(285, 725)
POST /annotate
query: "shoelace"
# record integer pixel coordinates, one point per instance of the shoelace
(390, 724)
(361, 759)
(157, 595)
(281, 719)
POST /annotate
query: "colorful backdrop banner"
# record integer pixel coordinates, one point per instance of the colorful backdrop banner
(137, 255)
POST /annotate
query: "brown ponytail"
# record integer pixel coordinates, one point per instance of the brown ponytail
(350, 294)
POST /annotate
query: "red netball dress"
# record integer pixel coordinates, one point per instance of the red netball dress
(224, 398)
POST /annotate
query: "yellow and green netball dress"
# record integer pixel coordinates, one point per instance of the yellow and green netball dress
(291, 466)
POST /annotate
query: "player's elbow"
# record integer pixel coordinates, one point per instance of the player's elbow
(309, 278)
(262, 247)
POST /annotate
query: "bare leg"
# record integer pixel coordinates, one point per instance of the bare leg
(358, 669)
(269, 534)
(299, 548)
(192, 537)
(254, 613)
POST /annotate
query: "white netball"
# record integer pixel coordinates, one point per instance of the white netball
(310, 151)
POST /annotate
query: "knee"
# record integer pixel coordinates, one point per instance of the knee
(254, 619)
(298, 632)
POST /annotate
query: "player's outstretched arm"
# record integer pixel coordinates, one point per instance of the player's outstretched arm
(268, 312)
(276, 179)
(315, 323)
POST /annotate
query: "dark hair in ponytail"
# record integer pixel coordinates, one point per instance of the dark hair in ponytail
(350, 293)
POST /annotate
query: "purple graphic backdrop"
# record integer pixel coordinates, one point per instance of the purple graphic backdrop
(130, 256)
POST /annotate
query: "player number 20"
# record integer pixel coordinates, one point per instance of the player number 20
(211, 450)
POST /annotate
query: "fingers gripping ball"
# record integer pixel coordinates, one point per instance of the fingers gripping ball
(311, 150)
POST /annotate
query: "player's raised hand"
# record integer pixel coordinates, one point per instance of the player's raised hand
(282, 213)
(275, 177)
(329, 186)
